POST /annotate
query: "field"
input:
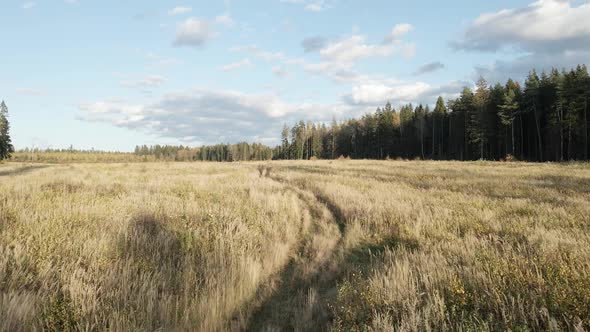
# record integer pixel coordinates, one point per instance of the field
(310, 245)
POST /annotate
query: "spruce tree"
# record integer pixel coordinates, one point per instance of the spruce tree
(440, 111)
(508, 111)
(6, 148)
(478, 128)
(531, 95)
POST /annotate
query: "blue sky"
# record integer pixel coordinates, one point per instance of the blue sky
(114, 74)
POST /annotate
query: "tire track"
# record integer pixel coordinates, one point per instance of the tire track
(306, 286)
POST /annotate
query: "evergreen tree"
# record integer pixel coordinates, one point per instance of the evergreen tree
(531, 97)
(463, 108)
(419, 121)
(478, 127)
(508, 112)
(6, 148)
(438, 120)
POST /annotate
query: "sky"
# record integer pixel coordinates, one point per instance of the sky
(114, 74)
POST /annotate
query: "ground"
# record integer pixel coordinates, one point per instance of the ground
(305, 245)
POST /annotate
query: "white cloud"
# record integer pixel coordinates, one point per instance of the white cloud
(192, 32)
(544, 34)
(379, 91)
(207, 116)
(542, 26)
(398, 32)
(237, 65)
(339, 56)
(225, 20)
(149, 81)
(353, 48)
(179, 10)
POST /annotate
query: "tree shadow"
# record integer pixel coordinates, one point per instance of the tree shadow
(148, 271)
(22, 170)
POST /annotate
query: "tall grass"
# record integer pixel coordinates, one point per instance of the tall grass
(321, 245)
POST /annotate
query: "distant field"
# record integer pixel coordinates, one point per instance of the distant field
(324, 245)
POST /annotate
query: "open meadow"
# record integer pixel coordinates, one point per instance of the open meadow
(295, 245)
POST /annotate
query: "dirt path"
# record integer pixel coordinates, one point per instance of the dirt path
(299, 299)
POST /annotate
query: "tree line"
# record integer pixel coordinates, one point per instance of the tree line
(544, 120)
(220, 152)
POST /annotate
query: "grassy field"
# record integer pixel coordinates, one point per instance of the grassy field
(310, 245)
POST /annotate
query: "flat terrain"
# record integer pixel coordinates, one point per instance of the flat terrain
(311, 245)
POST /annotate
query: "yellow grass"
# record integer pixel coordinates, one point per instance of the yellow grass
(317, 245)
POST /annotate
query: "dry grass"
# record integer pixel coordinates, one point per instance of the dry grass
(317, 245)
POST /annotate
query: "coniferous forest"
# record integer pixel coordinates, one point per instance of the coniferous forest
(546, 119)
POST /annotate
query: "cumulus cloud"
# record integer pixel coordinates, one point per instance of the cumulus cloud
(350, 49)
(237, 65)
(543, 26)
(207, 116)
(179, 10)
(429, 68)
(192, 32)
(378, 92)
(338, 57)
(546, 34)
(398, 32)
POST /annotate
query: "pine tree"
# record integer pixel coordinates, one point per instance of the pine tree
(419, 119)
(464, 109)
(508, 111)
(6, 148)
(478, 127)
(440, 111)
(582, 95)
(531, 95)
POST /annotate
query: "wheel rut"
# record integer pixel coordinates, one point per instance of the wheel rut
(299, 296)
